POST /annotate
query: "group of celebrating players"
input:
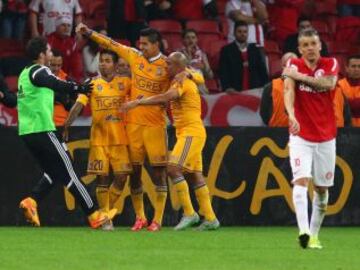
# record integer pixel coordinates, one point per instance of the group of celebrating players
(128, 124)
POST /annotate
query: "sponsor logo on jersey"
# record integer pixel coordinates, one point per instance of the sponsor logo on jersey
(108, 103)
(148, 85)
(306, 88)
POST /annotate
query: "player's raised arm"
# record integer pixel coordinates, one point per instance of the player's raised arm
(106, 42)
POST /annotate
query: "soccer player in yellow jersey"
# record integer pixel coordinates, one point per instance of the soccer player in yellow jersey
(108, 140)
(186, 157)
(145, 125)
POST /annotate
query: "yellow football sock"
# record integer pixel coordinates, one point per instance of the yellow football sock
(161, 194)
(203, 198)
(102, 196)
(138, 204)
(114, 195)
(182, 189)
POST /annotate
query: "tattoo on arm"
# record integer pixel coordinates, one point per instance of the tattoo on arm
(321, 84)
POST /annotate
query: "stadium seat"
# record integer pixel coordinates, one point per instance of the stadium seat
(166, 26)
(221, 4)
(338, 47)
(205, 39)
(214, 53)
(323, 29)
(348, 28)
(275, 68)
(123, 41)
(12, 83)
(174, 40)
(213, 86)
(224, 26)
(272, 46)
(324, 8)
(204, 26)
(11, 47)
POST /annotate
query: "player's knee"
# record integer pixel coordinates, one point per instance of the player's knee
(301, 182)
(119, 181)
(173, 171)
(102, 180)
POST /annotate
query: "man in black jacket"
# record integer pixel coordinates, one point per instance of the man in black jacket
(7, 97)
(242, 65)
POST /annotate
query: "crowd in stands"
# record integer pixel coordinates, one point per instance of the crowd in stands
(237, 44)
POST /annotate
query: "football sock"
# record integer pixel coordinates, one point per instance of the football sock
(114, 195)
(319, 206)
(203, 198)
(300, 201)
(138, 203)
(161, 194)
(102, 196)
(183, 193)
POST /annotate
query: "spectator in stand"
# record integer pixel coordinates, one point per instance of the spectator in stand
(91, 54)
(348, 8)
(13, 19)
(63, 42)
(123, 68)
(291, 42)
(253, 12)
(272, 108)
(195, 56)
(350, 86)
(158, 9)
(52, 9)
(195, 9)
(125, 19)
(7, 97)
(242, 65)
(63, 101)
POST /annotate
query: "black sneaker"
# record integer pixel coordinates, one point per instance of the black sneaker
(304, 240)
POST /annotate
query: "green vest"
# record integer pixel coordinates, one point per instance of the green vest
(35, 106)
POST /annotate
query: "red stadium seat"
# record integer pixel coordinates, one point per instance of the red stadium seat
(174, 40)
(205, 39)
(12, 83)
(275, 68)
(214, 53)
(224, 26)
(213, 86)
(348, 29)
(325, 8)
(123, 41)
(338, 47)
(221, 7)
(271, 46)
(204, 26)
(11, 47)
(166, 26)
(323, 29)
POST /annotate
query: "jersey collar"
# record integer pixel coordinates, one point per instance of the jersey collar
(153, 59)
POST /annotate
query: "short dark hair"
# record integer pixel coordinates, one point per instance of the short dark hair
(35, 46)
(238, 24)
(353, 56)
(308, 33)
(302, 18)
(113, 55)
(56, 52)
(186, 31)
(154, 36)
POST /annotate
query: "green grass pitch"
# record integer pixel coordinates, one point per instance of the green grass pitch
(245, 248)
